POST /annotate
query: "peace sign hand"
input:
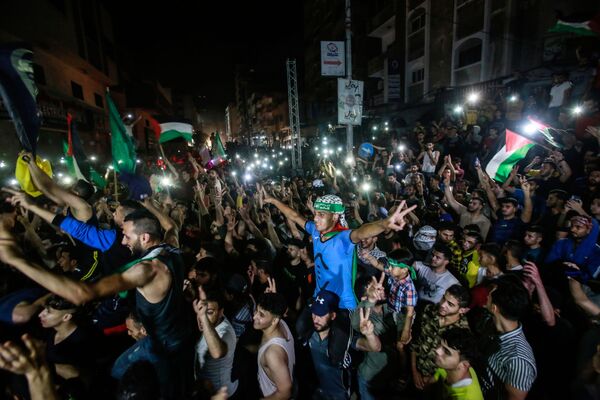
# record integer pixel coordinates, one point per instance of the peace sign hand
(23, 361)
(272, 287)
(366, 326)
(396, 221)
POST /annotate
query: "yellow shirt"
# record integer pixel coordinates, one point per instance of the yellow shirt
(472, 391)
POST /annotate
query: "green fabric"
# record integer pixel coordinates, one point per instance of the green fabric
(506, 166)
(218, 149)
(97, 179)
(173, 134)
(125, 267)
(328, 207)
(578, 28)
(123, 150)
(445, 391)
(395, 264)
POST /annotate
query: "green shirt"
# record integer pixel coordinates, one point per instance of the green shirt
(445, 391)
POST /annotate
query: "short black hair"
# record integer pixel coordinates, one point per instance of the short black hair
(135, 317)
(536, 229)
(145, 222)
(461, 294)
(402, 255)
(83, 189)
(130, 206)
(463, 341)
(475, 235)
(215, 296)
(274, 303)
(511, 298)
(495, 251)
(444, 249)
(58, 303)
(515, 248)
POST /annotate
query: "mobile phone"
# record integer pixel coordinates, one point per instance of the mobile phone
(576, 198)
(477, 163)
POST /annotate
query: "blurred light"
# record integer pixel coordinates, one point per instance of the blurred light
(338, 172)
(373, 137)
(530, 128)
(577, 110)
(93, 158)
(473, 97)
(340, 148)
(60, 174)
(385, 123)
(255, 155)
(67, 180)
(374, 127)
(349, 160)
(386, 129)
(166, 181)
(13, 182)
(120, 162)
(129, 115)
(237, 156)
(247, 177)
(280, 162)
(353, 179)
(2, 164)
(286, 159)
(233, 173)
(270, 167)
(458, 109)
(365, 186)
(316, 148)
(401, 147)
(513, 98)
(280, 153)
(110, 167)
(62, 160)
(397, 166)
(138, 161)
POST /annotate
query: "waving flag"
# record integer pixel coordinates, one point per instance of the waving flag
(218, 149)
(512, 148)
(18, 92)
(590, 27)
(171, 130)
(123, 150)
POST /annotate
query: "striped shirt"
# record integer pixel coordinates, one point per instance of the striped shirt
(513, 364)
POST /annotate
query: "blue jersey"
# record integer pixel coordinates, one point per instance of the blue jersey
(333, 264)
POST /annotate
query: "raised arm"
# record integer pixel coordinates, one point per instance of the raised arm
(395, 221)
(289, 212)
(169, 226)
(80, 208)
(456, 206)
(528, 207)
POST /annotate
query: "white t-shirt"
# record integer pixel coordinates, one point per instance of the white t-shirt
(428, 164)
(217, 371)
(432, 286)
(557, 93)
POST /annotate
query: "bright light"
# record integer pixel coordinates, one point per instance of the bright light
(233, 173)
(2, 164)
(373, 137)
(93, 158)
(60, 174)
(166, 181)
(13, 182)
(530, 128)
(386, 129)
(280, 153)
(247, 177)
(385, 123)
(374, 127)
(397, 166)
(353, 179)
(286, 159)
(129, 115)
(280, 162)
(401, 147)
(349, 160)
(138, 161)
(338, 172)
(110, 167)
(577, 110)
(67, 180)
(264, 165)
(62, 160)
(270, 167)
(458, 109)
(255, 155)
(340, 148)
(316, 148)
(473, 97)
(513, 98)
(237, 156)
(365, 186)
(329, 126)
(273, 156)
(120, 162)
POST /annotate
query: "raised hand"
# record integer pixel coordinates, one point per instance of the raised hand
(271, 286)
(18, 198)
(366, 326)
(396, 221)
(532, 272)
(23, 361)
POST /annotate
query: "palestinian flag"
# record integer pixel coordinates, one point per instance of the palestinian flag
(171, 130)
(218, 149)
(123, 149)
(513, 148)
(583, 28)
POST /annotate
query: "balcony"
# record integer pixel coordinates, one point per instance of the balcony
(382, 18)
(375, 66)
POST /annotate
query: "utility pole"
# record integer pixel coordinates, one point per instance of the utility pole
(294, 109)
(349, 128)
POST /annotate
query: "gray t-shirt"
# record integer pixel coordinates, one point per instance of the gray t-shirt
(432, 286)
(217, 371)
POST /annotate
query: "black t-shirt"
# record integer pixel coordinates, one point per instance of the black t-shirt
(79, 349)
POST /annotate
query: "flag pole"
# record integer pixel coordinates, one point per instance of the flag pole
(116, 185)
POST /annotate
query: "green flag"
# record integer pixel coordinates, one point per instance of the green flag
(218, 149)
(123, 150)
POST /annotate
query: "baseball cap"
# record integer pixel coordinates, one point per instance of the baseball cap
(324, 303)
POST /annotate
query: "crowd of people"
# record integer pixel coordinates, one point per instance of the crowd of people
(408, 274)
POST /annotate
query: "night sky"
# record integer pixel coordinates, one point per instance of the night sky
(194, 46)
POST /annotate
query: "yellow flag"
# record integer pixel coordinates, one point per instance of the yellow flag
(24, 178)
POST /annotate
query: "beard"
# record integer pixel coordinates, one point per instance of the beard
(136, 248)
(320, 328)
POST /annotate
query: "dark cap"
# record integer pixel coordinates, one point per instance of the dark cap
(324, 303)
(509, 200)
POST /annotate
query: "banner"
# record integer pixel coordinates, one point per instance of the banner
(333, 59)
(350, 101)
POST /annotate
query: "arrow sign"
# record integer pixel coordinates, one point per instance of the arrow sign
(333, 59)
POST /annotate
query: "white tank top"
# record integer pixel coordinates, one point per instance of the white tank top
(266, 385)
(428, 165)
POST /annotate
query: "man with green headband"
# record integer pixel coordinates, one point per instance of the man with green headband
(334, 244)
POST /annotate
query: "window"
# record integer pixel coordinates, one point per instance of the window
(77, 90)
(38, 74)
(98, 100)
(418, 75)
(417, 21)
(469, 53)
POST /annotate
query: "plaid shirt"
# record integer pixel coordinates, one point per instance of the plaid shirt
(402, 293)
